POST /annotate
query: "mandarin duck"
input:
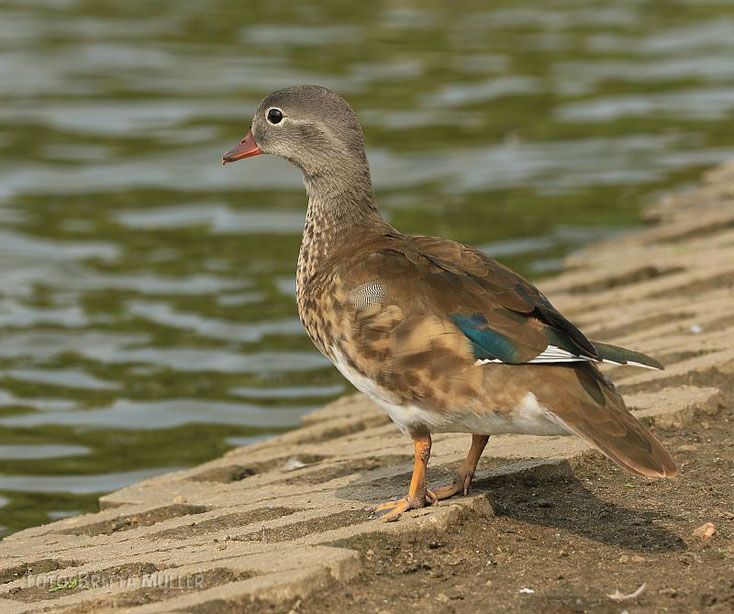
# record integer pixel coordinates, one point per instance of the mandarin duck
(438, 334)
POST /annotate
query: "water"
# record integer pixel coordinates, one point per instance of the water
(147, 317)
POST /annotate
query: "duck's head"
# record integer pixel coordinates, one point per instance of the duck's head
(308, 125)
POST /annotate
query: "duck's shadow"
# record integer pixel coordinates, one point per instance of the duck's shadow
(559, 502)
(569, 505)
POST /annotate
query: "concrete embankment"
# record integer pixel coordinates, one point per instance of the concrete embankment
(272, 521)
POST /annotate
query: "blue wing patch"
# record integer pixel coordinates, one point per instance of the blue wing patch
(487, 344)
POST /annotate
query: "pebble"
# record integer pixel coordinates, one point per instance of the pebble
(705, 531)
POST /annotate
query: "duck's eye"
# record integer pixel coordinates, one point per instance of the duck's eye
(275, 116)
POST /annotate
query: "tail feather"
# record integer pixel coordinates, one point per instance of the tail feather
(623, 356)
(600, 417)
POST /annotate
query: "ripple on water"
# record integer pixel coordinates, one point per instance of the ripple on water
(170, 413)
(116, 349)
(71, 378)
(194, 171)
(630, 159)
(14, 313)
(40, 404)
(121, 119)
(698, 103)
(19, 248)
(579, 78)
(280, 34)
(457, 94)
(86, 484)
(80, 278)
(216, 329)
(34, 452)
(292, 392)
(217, 217)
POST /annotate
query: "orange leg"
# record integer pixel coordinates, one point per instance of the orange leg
(418, 495)
(466, 471)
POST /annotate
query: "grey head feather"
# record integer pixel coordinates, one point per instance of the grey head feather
(318, 127)
(320, 133)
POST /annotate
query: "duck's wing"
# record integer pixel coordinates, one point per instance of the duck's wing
(566, 343)
(505, 318)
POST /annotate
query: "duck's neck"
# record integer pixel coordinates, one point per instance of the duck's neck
(341, 212)
(340, 207)
(340, 202)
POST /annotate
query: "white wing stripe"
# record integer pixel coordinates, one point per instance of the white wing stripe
(553, 354)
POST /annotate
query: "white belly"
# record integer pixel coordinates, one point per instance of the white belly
(528, 417)
(404, 416)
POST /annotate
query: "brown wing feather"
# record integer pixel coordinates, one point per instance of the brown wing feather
(509, 289)
(592, 408)
(439, 277)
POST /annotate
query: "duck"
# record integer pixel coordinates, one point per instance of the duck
(438, 334)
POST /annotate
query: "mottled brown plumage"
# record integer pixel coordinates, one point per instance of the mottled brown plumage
(439, 334)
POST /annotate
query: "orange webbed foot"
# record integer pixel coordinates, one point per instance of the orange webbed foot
(459, 487)
(392, 509)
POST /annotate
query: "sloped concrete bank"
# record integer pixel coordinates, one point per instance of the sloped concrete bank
(269, 522)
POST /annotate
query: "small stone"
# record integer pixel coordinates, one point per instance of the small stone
(442, 598)
(688, 447)
(705, 531)
(292, 464)
(638, 559)
(624, 558)
(179, 500)
(488, 583)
